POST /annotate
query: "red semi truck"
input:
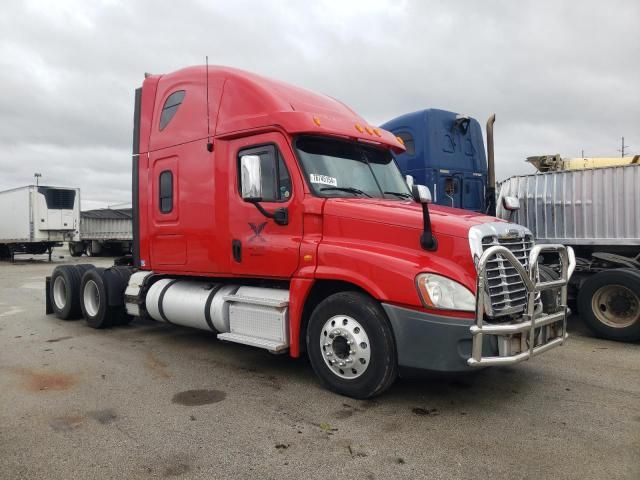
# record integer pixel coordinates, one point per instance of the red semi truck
(278, 218)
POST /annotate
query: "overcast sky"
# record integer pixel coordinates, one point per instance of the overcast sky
(560, 76)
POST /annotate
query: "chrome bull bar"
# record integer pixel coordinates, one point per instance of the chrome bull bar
(530, 335)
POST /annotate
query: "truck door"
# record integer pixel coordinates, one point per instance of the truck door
(258, 246)
(473, 192)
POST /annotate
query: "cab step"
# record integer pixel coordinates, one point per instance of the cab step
(259, 317)
(270, 345)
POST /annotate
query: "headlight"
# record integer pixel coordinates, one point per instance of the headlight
(437, 291)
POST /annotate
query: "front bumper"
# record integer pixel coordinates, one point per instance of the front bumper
(431, 342)
(427, 341)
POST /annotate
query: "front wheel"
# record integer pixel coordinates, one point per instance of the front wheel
(609, 303)
(351, 346)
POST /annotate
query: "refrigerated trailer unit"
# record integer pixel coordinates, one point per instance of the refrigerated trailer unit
(597, 212)
(104, 230)
(34, 219)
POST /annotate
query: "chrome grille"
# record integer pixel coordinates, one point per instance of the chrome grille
(504, 287)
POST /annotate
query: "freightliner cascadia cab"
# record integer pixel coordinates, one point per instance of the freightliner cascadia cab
(445, 152)
(278, 218)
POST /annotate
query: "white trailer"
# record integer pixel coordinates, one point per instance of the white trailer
(597, 212)
(104, 230)
(34, 219)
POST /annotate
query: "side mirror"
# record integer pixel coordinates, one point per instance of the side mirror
(250, 178)
(421, 194)
(510, 203)
(409, 180)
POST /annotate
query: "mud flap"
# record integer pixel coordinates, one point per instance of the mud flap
(48, 309)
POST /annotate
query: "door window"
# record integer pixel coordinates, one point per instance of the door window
(275, 178)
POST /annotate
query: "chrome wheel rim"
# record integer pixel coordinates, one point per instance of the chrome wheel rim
(60, 292)
(345, 347)
(616, 306)
(91, 298)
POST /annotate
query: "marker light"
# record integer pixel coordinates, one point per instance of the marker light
(369, 130)
(400, 140)
(377, 132)
(316, 120)
(359, 127)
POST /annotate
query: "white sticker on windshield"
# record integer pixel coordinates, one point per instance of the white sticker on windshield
(324, 179)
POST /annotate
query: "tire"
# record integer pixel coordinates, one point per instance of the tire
(609, 303)
(360, 319)
(75, 249)
(102, 297)
(83, 267)
(65, 292)
(550, 298)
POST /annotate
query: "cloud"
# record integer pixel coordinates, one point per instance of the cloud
(561, 76)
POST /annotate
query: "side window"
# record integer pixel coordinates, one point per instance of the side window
(166, 191)
(170, 108)
(276, 181)
(409, 143)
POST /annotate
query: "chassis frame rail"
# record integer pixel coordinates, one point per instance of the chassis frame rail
(532, 327)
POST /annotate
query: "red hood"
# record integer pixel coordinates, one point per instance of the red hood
(407, 213)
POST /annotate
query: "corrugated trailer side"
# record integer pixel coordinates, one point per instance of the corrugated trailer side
(598, 206)
(115, 226)
(104, 230)
(597, 211)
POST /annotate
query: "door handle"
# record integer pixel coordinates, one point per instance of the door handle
(236, 248)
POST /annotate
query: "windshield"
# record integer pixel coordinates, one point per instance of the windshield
(338, 168)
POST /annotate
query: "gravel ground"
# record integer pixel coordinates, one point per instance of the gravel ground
(151, 400)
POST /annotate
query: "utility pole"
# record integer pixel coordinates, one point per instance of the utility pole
(623, 148)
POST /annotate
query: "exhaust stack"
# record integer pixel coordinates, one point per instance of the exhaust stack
(490, 199)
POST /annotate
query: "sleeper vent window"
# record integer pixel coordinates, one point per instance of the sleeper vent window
(409, 143)
(57, 198)
(170, 108)
(166, 191)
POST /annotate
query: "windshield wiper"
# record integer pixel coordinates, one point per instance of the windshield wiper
(347, 189)
(399, 194)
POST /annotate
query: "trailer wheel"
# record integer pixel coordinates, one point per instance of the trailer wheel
(65, 292)
(351, 346)
(609, 303)
(94, 299)
(76, 249)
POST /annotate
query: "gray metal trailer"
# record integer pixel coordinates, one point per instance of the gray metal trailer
(104, 231)
(35, 218)
(597, 212)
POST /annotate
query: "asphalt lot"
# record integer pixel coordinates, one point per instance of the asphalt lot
(152, 401)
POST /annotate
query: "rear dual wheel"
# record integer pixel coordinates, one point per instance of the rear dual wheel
(65, 290)
(101, 297)
(351, 346)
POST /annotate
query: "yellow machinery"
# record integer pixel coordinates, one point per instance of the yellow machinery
(550, 163)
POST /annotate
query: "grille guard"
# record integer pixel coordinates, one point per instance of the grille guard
(533, 328)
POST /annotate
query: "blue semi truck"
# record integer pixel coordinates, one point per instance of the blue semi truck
(445, 152)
